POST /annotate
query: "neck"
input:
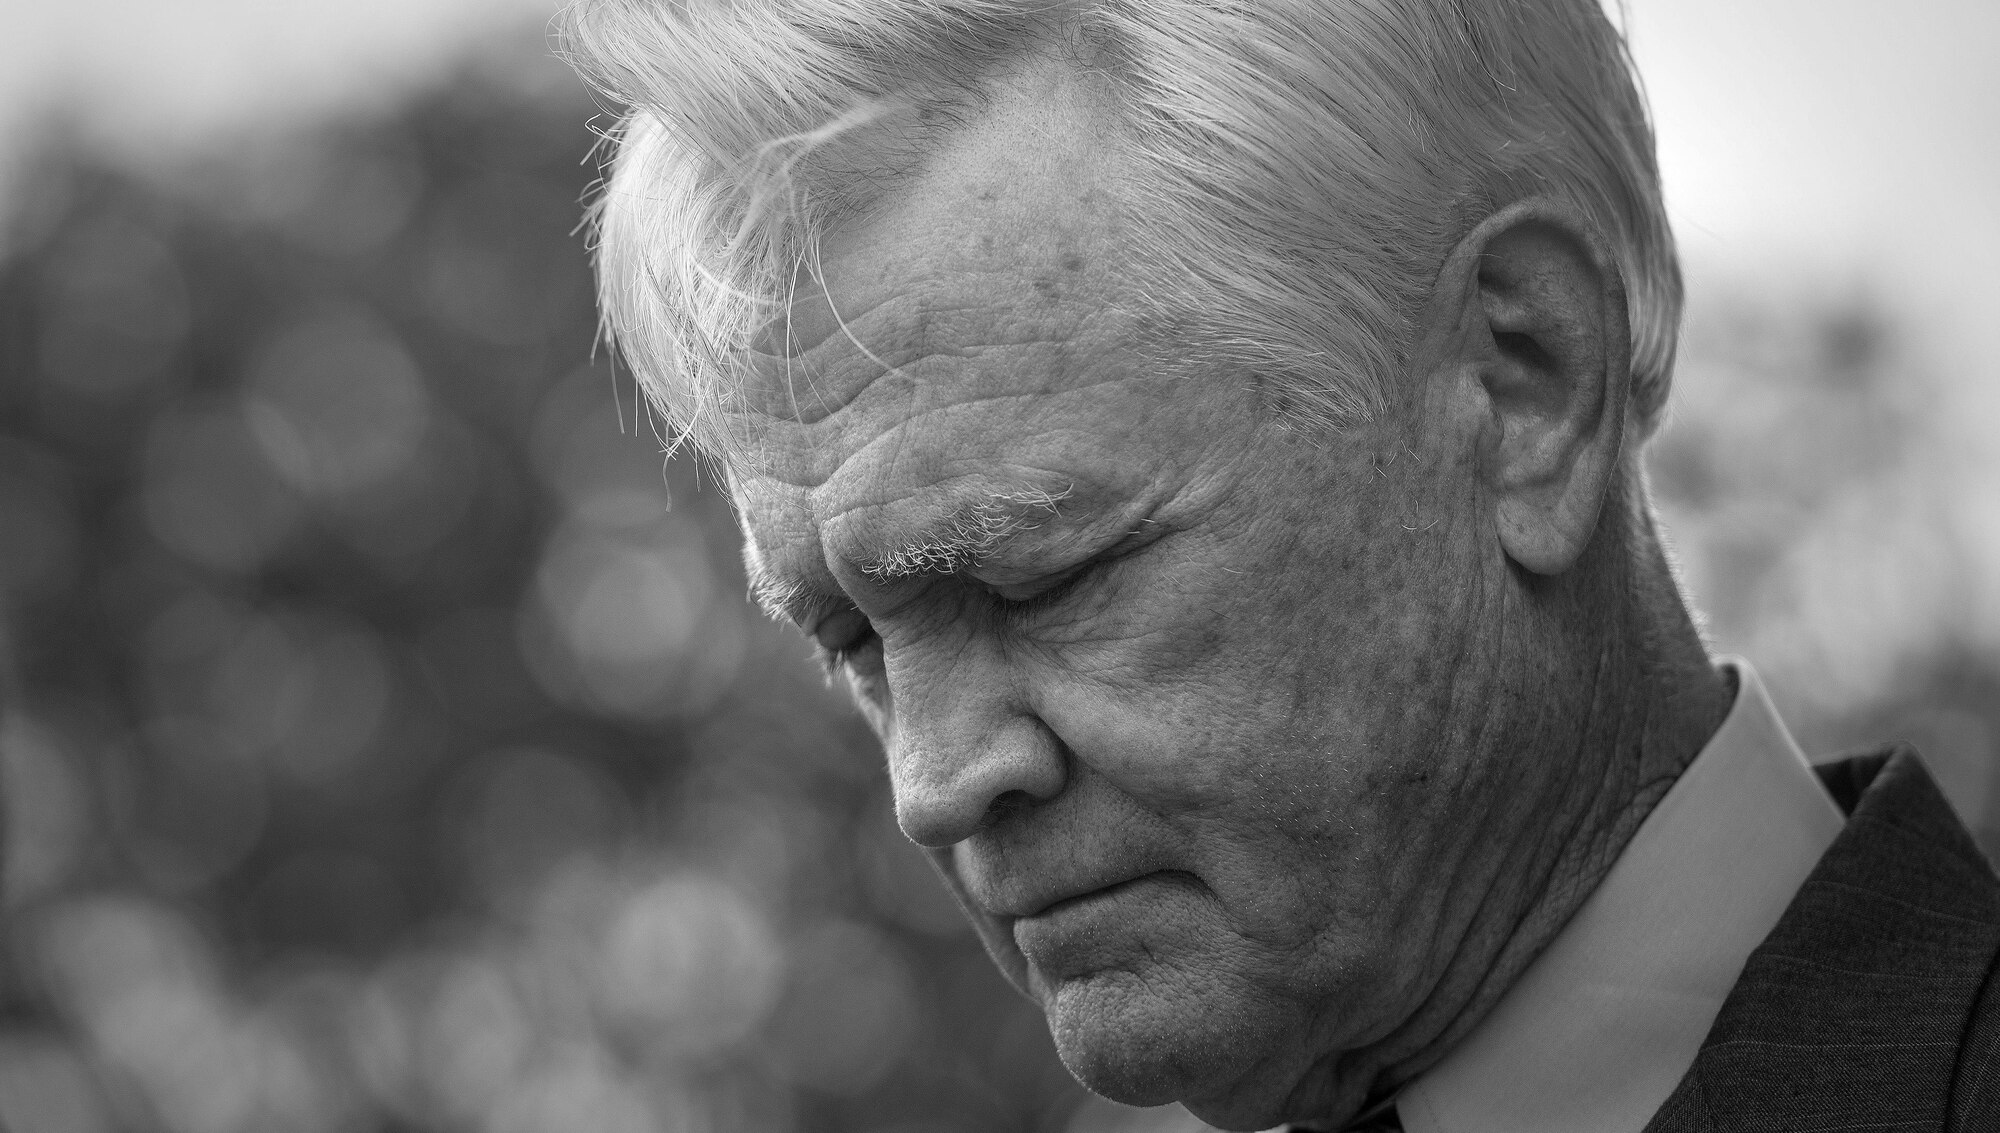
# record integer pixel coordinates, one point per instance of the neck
(1618, 629)
(1654, 701)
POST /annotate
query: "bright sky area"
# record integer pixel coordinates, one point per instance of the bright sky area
(1852, 139)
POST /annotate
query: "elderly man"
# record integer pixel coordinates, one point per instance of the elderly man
(1204, 435)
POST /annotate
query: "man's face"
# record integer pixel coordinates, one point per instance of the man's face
(1178, 696)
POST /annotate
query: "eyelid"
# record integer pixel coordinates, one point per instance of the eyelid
(852, 658)
(1048, 591)
(1033, 591)
(862, 630)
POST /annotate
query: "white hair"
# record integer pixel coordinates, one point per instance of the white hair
(966, 537)
(1306, 165)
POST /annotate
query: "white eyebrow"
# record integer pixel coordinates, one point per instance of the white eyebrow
(784, 600)
(955, 542)
(969, 534)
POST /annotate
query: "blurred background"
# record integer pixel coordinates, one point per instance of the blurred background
(381, 751)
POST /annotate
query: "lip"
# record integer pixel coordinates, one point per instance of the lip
(1058, 901)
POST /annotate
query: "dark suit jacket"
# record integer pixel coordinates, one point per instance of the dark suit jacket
(1873, 1004)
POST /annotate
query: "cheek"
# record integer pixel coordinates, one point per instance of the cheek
(1171, 745)
(1210, 700)
(869, 691)
(1265, 807)
(1283, 784)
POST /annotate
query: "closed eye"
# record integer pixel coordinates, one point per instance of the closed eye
(841, 639)
(1047, 596)
(1051, 592)
(850, 651)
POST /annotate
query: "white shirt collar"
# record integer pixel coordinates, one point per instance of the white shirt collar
(1601, 1027)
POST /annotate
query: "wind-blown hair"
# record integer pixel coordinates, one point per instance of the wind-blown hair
(1304, 165)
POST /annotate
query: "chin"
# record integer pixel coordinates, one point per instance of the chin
(1124, 1041)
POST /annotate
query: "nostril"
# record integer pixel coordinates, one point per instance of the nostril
(1007, 805)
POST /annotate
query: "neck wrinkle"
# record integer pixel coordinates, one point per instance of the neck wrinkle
(1654, 700)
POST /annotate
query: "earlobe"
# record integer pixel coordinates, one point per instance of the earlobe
(1548, 329)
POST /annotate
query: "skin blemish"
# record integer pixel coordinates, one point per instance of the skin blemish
(1072, 262)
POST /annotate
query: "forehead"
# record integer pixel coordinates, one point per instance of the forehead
(968, 336)
(1007, 238)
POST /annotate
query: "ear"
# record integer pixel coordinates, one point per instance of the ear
(1545, 326)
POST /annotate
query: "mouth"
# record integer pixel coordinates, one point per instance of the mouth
(1076, 901)
(1116, 926)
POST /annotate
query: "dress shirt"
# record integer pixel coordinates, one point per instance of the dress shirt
(1601, 1027)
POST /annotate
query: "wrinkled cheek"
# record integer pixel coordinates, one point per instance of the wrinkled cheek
(998, 940)
(1156, 743)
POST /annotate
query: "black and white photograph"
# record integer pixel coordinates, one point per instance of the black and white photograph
(999, 566)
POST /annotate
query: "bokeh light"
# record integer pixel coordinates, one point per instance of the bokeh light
(387, 740)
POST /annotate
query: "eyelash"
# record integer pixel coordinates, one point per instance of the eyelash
(833, 658)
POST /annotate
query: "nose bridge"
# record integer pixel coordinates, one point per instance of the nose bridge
(964, 739)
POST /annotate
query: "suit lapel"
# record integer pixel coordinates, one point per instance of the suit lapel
(1853, 1011)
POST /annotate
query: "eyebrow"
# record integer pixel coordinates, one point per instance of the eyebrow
(958, 540)
(785, 600)
(968, 534)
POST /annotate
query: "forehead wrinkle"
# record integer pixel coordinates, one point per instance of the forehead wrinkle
(811, 328)
(897, 337)
(930, 410)
(782, 559)
(795, 360)
(810, 318)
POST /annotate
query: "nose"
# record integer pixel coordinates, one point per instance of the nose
(962, 750)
